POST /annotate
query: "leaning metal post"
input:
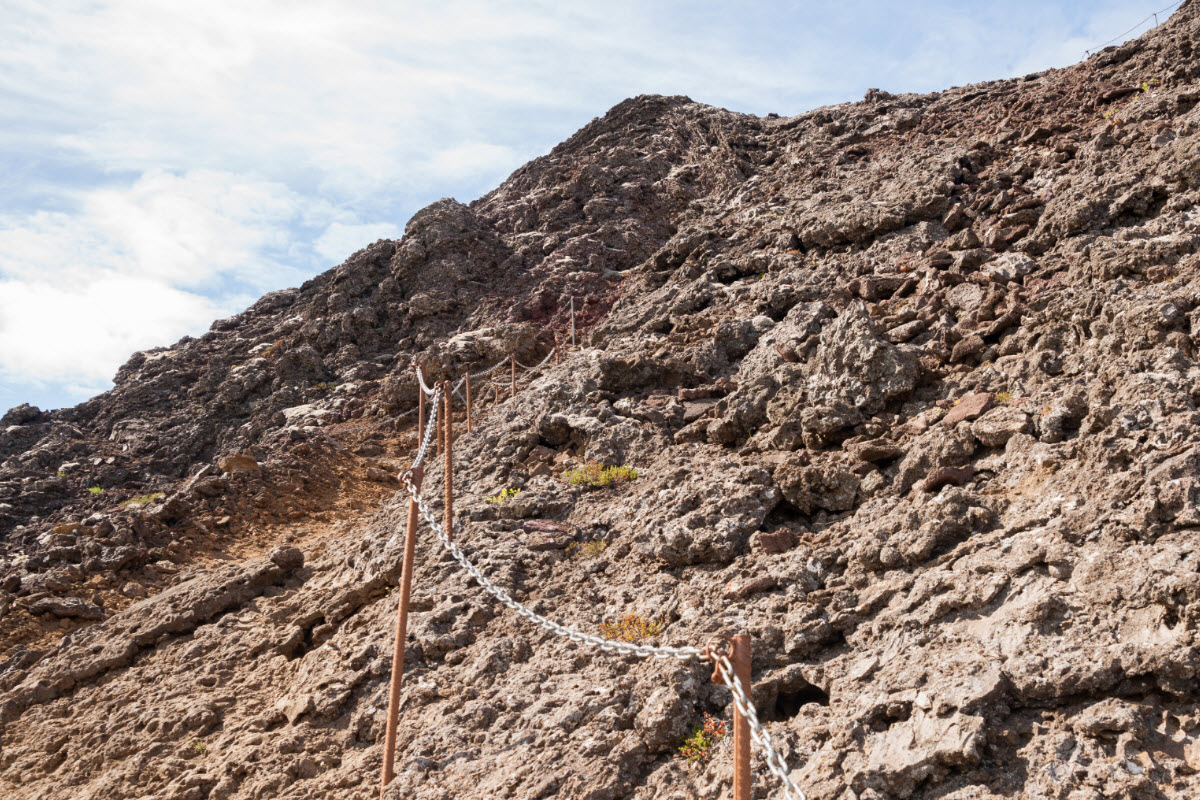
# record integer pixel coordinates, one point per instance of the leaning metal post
(410, 548)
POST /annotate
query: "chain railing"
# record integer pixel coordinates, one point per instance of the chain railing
(742, 702)
(538, 365)
(411, 478)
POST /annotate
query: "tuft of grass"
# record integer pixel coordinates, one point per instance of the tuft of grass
(698, 746)
(1002, 397)
(503, 496)
(587, 549)
(143, 500)
(596, 475)
(95, 490)
(632, 628)
(198, 746)
(62, 473)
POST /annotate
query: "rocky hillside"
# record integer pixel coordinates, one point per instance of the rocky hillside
(910, 386)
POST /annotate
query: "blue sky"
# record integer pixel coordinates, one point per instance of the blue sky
(164, 164)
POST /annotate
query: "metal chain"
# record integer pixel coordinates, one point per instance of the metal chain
(602, 644)
(490, 369)
(430, 425)
(421, 380)
(757, 732)
(543, 361)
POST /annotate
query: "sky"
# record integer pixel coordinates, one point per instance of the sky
(164, 164)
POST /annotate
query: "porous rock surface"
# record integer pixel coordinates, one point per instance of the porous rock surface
(911, 388)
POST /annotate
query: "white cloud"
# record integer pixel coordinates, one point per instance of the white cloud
(138, 266)
(81, 332)
(340, 240)
(471, 158)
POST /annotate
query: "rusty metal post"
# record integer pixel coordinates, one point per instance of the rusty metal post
(468, 382)
(513, 357)
(741, 728)
(410, 549)
(449, 436)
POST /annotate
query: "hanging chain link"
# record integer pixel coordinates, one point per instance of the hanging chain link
(430, 425)
(543, 361)
(775, 762)
(490, 369)
(421, 380)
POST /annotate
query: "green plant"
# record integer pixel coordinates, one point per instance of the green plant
(632, 628)
(198, 746)
(143, 500)
(62, 473)
(596, 475)
(1003, 397)
(503, 496)
(95, 490)
(587, 549)
(698, 746)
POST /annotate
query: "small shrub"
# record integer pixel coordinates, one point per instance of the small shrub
(143, 500)
(62, 473)
(587, 549)
(596, 475)
(198, 746)
(698, 746)
(503, 496)
(632, 628)
(95, 490)
(1003, 397)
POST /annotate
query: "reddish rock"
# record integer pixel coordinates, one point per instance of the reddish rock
(947, 476)
(778, 541)
(240, 462)
(969, 407)
(736, 590)
(876, 450)
(971, 346)
(997, 426)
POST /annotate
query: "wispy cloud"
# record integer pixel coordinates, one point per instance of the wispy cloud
(162, 163)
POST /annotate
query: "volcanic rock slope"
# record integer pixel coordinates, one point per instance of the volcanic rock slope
(911, 388)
